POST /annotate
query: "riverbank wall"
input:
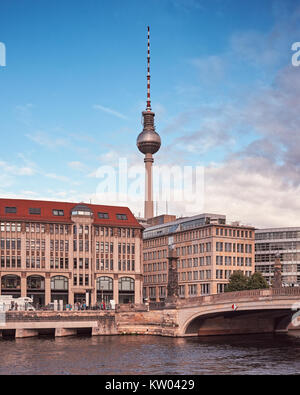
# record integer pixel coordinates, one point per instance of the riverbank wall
(97, 323)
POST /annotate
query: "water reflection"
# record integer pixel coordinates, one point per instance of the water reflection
(254, 354)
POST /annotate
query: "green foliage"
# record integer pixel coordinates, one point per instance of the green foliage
(239, 282)
(257, 281)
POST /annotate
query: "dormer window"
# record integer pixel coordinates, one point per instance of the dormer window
(10, 210)
(122, 217)
(59, 213)
(103, 215)
(35, 211)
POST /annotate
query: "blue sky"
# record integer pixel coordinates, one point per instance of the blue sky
(222, 83)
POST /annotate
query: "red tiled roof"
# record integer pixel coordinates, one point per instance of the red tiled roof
(47, 215)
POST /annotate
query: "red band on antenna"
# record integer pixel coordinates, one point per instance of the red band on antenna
(148, 108)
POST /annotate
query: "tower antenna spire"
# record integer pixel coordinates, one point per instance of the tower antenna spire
(148, 108)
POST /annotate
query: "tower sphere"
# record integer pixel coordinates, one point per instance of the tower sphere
(148, 141)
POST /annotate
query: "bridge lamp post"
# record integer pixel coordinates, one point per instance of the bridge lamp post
(172, 287)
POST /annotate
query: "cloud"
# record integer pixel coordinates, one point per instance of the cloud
(211, 69)
(77, 165)
(62, 178)
(256, 48)
(257, 179)
(44, 139)
(109, 111)
(112, 157)
(254, 194)
(9, 173)
(14, 170)
(274, 114)
(57, 177)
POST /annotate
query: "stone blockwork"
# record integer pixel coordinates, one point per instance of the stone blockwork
(125, 321)
(157, 322)
(256, 311)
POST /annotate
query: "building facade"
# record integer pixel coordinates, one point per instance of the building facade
(208, 250)
(286, 242)
(71, 252)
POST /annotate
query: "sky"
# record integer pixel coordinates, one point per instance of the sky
(223, 88)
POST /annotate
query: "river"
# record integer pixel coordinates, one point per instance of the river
(132, 355)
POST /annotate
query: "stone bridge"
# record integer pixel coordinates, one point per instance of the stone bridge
(255, 311)
(258, 311)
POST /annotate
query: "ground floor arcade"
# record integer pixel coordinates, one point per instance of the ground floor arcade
(45, 288)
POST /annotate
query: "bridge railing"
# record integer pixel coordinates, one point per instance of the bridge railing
(232, 296)
(286, 291)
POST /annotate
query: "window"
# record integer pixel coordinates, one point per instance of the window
(11, 281)
(103, 215)
(126, 284)
(35, 211)
(122, 216)
(10, 210)
(192, 289)
(59, 283)
(59, 213)
(220, 288)
(182, 290)
(104, 284)
(35, 282)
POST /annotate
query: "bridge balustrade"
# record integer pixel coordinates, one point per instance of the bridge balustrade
(233, 296)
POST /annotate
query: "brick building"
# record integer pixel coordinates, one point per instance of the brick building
(71, 252)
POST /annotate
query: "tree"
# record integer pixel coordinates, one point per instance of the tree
(257, 281)
(237, 282)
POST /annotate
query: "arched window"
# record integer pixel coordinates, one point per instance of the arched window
(59, 283)
(104, 284)
(36, 282)
(126, 284)
(10, 282)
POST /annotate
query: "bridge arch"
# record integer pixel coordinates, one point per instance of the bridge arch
(262, 311)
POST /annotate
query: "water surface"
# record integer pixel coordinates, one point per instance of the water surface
(130, 355)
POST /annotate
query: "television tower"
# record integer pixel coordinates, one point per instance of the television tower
(148, 142)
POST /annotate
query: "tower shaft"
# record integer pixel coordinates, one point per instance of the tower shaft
(149, 210)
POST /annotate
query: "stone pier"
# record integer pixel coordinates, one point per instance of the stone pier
(60, 332)
(20, 333)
